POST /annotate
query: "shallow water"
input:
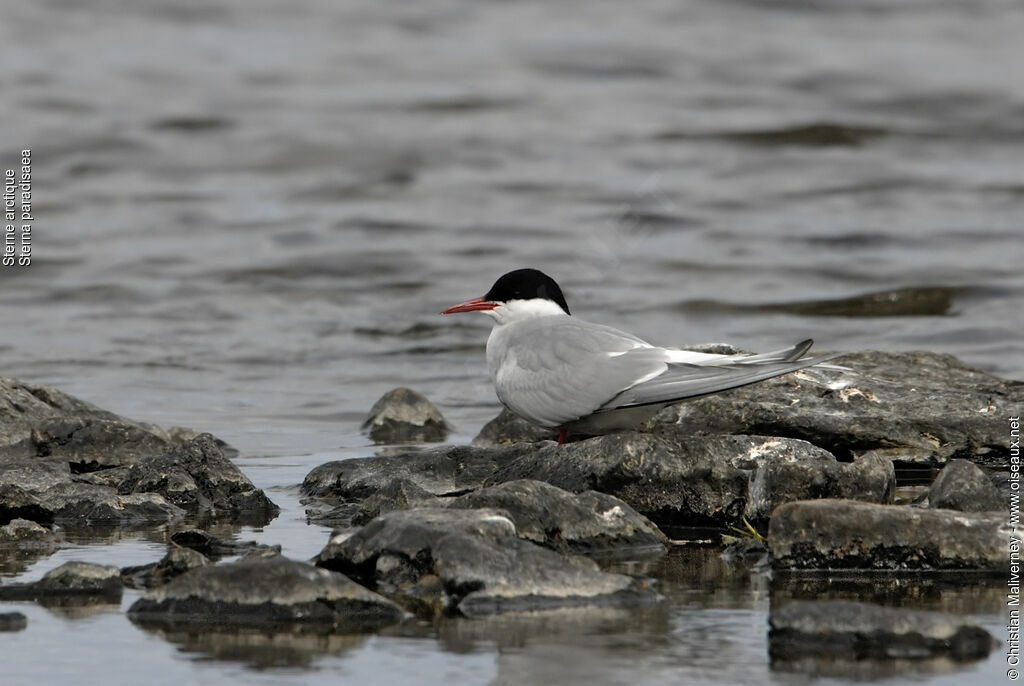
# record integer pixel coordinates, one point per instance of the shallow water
(248, 215)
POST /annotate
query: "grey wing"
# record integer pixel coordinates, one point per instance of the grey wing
(686, 380)
(556, 372)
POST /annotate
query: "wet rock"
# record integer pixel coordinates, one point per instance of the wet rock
(471, 562)
(762, 451)
(397, 494)
(408, 533)
(12, 621)
(870, 479)
(511, 428)
(512, 574)
(22, 542)
(79, 582)
(176, 562)
(215, 548)
(24, 532)
(400, 494)
(915, 406)
(671, 477)
(404, 416)
(445, 470)
(962, 485)
(39, 421)
(672, 480)
(46, 491)
(843, 534)
(197, 477)
(590, 522)
(744, 548)
(273, 593)
(862, 630)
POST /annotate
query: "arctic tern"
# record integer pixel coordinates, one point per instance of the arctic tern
(556, 370)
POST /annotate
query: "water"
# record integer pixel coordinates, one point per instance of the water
(249, 213)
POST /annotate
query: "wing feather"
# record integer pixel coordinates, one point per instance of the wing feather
(556, 369)
(681, 381)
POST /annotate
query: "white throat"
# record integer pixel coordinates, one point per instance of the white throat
(520, 310)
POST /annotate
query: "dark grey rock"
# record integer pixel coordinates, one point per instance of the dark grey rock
(272, 593)
(870, 479)
(445, 470)
(39, 421)
(46, 491)
(591, 522)
(22, 532)
(843, 534)
(470, 562)
(671, 479)
(511, 428)
(512, 574)
(962, 485)
(79, 581)
(404, 416)
(861, 630)
(12, 621)
(744, 548)
(197, 477)
(916, 406)
(65, 460)
(409, 534)
(762, 451)
(176, 562)
(22, 542)
(215, 548)
(400, 494)
(397, 494)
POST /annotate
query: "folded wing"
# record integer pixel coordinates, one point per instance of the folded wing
(682, 380)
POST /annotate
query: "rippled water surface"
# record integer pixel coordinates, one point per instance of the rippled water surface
(248, 215)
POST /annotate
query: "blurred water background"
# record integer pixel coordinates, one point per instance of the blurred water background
(248, 215)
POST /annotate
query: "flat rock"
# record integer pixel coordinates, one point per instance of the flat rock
(176, 562)
(442, 471)
(403, 415)
(509, 428)
(591, 522)
(213, 547)
(81, 581)
(673, 479)
(870, 478)
(22, 532)
(470, 562)
(197, 477)
(39, 421)
(670, 477)
(268, 592)
(22, 542)
(916, 406)
(962, 485)
(46, 491)
(861, 630)
(410, 534)
(399, 494)
(843, 534)
(12, 621)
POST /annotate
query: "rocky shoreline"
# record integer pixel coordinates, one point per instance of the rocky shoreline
(517, 524)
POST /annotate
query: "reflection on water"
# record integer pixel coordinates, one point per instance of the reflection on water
(248, 218)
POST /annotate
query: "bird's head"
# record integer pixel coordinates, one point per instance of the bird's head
(520, 294)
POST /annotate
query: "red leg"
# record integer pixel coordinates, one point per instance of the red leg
(561, 435)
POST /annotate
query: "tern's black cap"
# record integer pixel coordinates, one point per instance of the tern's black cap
(526, 284)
